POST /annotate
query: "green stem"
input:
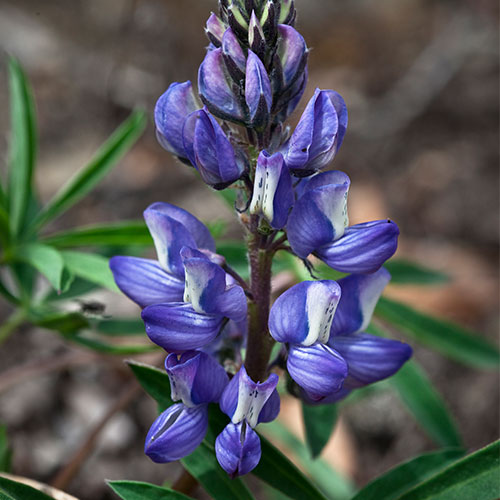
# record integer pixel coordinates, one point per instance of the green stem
(16, 319)
(259, 342)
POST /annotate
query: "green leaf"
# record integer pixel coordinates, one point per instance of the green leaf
(120, 234)
(5, 451)
(22, 146)
(327, 479)
(474, 477)
(120, 327)
(425, 404)
(203, 466)
(12, 490)
(90, 267)
(154, 381)
(45, 259)
(228, 196)
(319, 423)
(217, 228)
(63, 322)
(277, 471)
(449, 339)
(107, 348)
(235, 253)
(4, 227)
(87, 178)
(404, 272)
(77, 288)
(401, 478)
(136, 490)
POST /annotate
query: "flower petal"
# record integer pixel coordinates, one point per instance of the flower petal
(318, 369)
(258, 95)
(304, 313)
(178, 327)
(360, 293)
(363, 248)
(145, 281)
(292, 51)
(176, 433)
(370, 358)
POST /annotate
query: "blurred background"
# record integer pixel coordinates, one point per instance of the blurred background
(421, 80)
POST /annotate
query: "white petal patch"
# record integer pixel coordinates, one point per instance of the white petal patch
(320, 309)
(265, 186)
(369, 295)
(180, 390)
(250, 401)
(194, 286)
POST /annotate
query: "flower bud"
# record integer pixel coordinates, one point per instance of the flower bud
(234, 57)
(273, 192)
(287, 12)
(292, 53)
(195, 378)
(256, 38)
(215, 30)
(237, 22)
(238, 449)
(171, 110)
(210, 151)
(269, 22)
(304, 313)
(318, 369)
(217, 89)
(258, 95)
(176, 433)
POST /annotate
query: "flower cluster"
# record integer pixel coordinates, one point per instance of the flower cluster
(195, 306)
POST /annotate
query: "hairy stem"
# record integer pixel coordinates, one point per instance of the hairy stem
(259, 343)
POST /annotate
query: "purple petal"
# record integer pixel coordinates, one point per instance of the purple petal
(171, 110)
(273, 192)
(292, 51)
(215, 29)
(145, 281)
(178, 327)
(363, 248)
(304, 313)
(332, 398)
(176, 433)
(195, 378)
(231, 49)
(319, 217)
(318, 369)
(216, 88)
(258, 94)
(237, 449)
(296, 92)
(271, 409)
(341, 109)
(370, 358)
(360, 293)
(244, 399)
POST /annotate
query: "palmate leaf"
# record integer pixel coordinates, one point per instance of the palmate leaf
(136, 490)
(88, 177)
(401, 478)
(22, 147)
(319, 423)
(447, 338)
(474, 477)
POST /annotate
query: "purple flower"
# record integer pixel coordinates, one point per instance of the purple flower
(215, 30)
(258, 94)
(318, 224)
(210, 151)
(147, 281)
(195, 378)
(177, 432)
(237, 449)
(273, 193)
(304, 313)
(233, 55)
(292, 53)
(253, 402)
(171, 110)
(318, 135)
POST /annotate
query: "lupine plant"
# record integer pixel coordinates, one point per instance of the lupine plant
(235, 344)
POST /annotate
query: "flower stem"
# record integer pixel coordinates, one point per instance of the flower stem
(259, 342)
(15, 320)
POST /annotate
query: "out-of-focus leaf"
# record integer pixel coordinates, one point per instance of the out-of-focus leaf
(90, 267)
(202, 465)
(425, 404)
(328, 480)
(235, 253)
(449, 339)
(319, 423)
(45, 259)
(120, 234)
(7, 294)
(107, 348)
(276, 470)
(88, 177)
(77, 288)
(228, 196)
(13, 490)
(154, 381)
(4, 227)
(136, 490)
(119, 327)
(22, 146)
(64, 322)
(404, 272)
(217, 228)
(401, 478)
(5, 451)
(474, 477)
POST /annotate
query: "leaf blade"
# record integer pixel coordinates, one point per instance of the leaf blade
(138, 490)
(405, 272)
(14, 490)
(319, 423)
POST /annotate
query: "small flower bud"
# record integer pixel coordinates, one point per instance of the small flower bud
(258, 95)
(256, 38)
(287, 12)
(215, 30)
(269, 22)
(234, 57)
(237, 21)
(292, 52)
